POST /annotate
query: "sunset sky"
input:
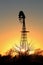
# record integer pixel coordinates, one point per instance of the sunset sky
(10, 26)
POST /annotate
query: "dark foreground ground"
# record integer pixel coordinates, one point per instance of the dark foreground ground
(21, 60)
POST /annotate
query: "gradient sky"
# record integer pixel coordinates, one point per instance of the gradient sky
(10, 26)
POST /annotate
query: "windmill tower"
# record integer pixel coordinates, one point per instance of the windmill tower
(23, 42)
(24, 46)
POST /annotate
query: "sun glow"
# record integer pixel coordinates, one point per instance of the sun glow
(23, 50)
(31, 52)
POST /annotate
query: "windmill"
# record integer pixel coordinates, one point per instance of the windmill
(24, 46)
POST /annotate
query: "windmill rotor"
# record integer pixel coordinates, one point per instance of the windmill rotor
(21, 15)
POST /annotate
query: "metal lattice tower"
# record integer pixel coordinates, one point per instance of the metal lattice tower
(24, 46)
(23, 42)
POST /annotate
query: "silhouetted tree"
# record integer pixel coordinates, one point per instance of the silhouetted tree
(21, 59)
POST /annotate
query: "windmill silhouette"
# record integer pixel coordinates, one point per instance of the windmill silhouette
(24, 45)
